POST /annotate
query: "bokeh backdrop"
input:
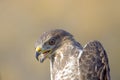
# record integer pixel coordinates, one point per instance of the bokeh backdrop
(23, 21)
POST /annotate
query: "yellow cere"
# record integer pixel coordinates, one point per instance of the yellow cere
(38, 49)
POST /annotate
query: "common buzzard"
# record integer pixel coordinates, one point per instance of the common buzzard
(69, 60)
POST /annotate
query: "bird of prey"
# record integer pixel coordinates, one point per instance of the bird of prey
(69, 60)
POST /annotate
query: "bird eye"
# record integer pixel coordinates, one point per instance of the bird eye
(52, 41)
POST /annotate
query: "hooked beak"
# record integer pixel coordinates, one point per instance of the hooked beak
(42, 53)
(37, 55)
(38, 50)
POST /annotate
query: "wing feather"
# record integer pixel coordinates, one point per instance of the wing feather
(94, 62)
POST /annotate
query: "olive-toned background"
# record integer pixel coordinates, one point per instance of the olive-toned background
(22, 22)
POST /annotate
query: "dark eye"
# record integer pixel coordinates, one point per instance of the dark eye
(52, 41)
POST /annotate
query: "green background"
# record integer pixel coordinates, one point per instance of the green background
(22, 22)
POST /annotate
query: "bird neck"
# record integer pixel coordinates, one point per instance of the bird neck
(64, 59)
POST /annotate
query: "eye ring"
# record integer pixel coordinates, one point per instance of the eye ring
(52, 41)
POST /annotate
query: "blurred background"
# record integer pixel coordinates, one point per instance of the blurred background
(23, 21)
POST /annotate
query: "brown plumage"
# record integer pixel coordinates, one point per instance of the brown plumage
(94, 62)
(68, 60)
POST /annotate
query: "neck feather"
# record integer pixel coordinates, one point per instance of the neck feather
(65, 61)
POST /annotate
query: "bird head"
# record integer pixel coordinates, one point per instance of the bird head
(49, 42)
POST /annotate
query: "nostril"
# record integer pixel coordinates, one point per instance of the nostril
(38, 49)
